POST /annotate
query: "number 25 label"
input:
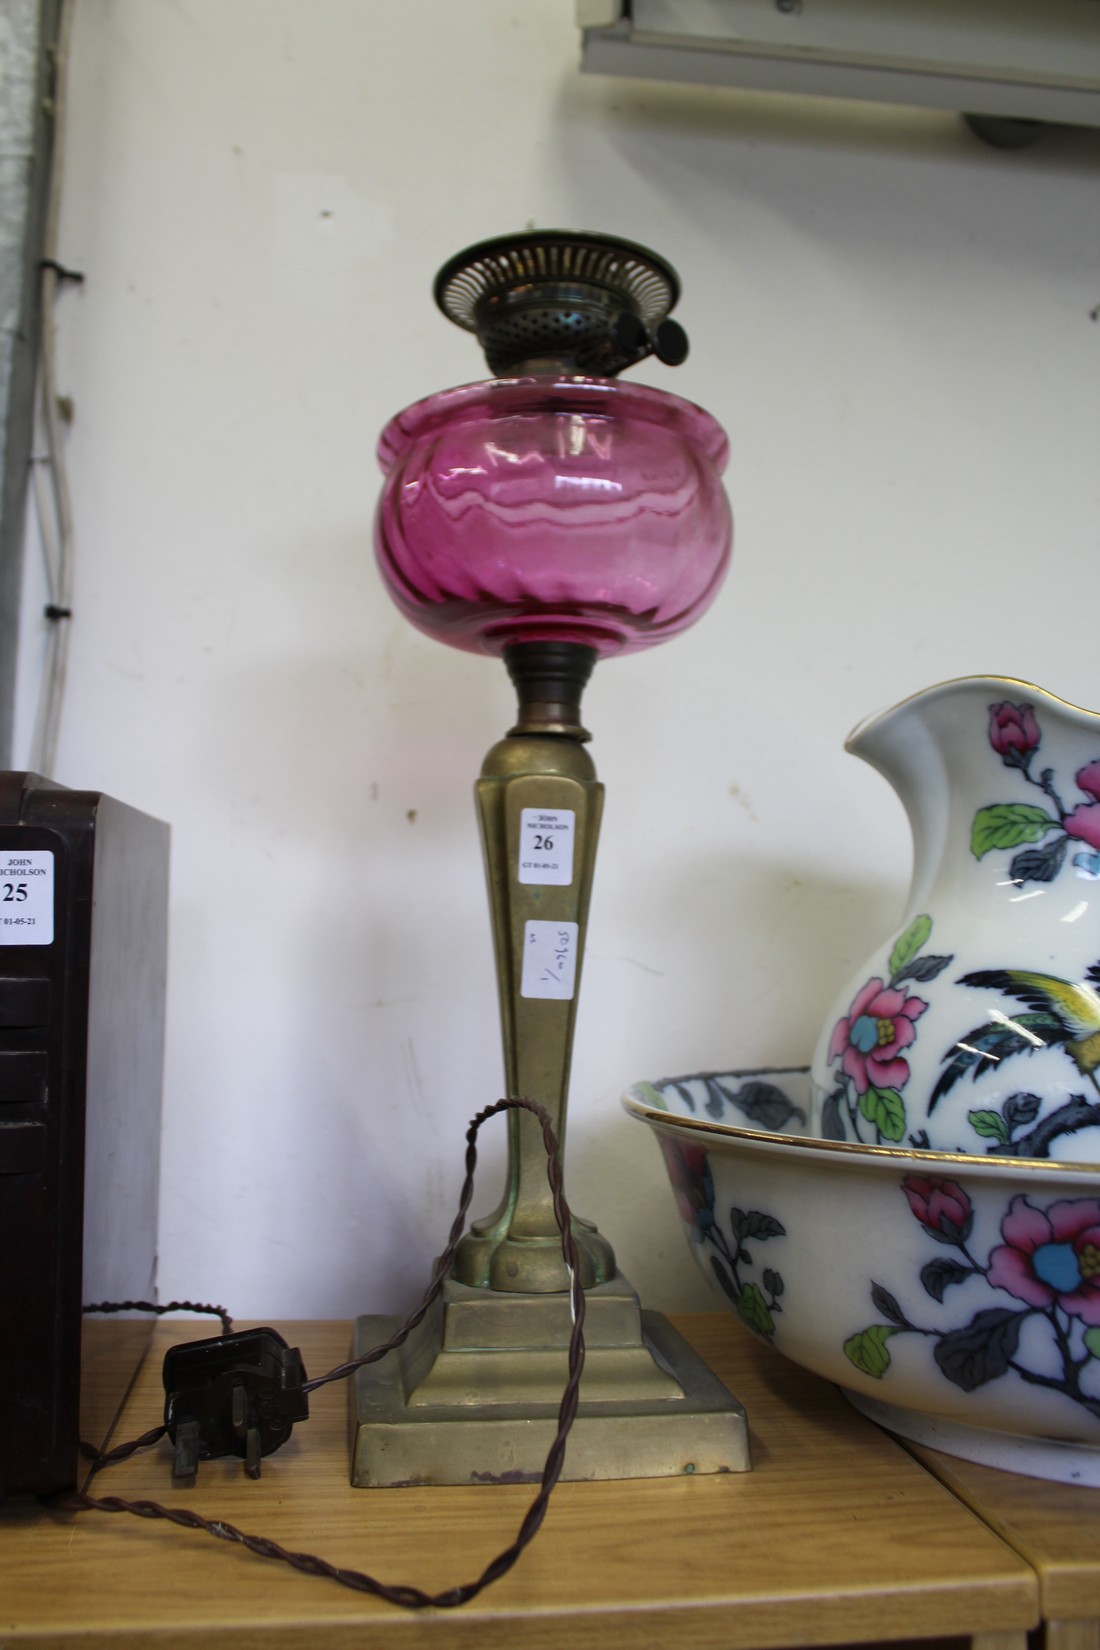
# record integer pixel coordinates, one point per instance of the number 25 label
(26, 897)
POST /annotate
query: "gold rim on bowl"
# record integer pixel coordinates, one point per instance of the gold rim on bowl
(843, 1151)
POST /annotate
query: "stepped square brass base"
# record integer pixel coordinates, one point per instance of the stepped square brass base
(472, 1397)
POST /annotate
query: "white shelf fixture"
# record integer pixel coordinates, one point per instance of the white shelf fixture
(1022, 60)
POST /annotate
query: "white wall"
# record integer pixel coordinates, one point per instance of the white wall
(894, 324)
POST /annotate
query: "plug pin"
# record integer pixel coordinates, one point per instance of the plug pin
(252, 1452)
(186, 1462)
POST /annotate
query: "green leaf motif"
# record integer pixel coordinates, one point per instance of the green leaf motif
(754, 1311)
(868, 1350)
(989, 1124)
(1007, 825)
(1092, 1341)
(916, 936)
(885, 1108)
(652, 1097)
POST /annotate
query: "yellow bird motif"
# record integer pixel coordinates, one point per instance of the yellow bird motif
(1073, 1005)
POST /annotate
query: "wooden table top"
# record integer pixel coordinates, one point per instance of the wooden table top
(837, 1536)
(1056, 1527)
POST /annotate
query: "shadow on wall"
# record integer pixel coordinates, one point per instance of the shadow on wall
(718, 917)
(856, 186)
(817, 928)
(657, 111)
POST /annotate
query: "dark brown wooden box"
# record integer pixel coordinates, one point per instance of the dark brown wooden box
(83, 935)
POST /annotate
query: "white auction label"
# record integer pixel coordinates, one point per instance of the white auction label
(546, 838)
(26, 898)
(549, 960)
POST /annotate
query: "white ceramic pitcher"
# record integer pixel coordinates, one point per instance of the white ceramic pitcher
(976, 1026)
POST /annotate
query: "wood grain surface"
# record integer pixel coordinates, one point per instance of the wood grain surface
(1056, 1527)
(837, 1536)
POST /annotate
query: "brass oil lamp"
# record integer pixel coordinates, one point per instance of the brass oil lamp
(553, 516)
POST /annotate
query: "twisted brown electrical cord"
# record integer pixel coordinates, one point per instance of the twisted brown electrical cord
(443, 1265)
(171, 1306)
(411, 1598)
(98, 1308)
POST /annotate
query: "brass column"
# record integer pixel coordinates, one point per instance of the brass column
(539, 806)
(472, 1396)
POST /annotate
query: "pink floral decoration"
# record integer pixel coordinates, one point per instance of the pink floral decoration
(1013, 728)
(1088, 778)
(939, 1204)
(1084, 821)
(867, 1040)
(1051, 1256)
(692, 1186)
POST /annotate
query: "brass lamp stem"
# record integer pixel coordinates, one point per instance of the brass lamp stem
(539, 806)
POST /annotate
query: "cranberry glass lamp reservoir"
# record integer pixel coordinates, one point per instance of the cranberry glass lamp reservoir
(552, 516)
(553, 509)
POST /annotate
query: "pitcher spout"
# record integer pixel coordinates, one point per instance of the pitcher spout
(906, 745)
(924, 747)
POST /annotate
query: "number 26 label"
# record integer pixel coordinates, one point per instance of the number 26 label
(546, 837)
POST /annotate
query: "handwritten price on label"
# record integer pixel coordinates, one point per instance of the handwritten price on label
(549, 960)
